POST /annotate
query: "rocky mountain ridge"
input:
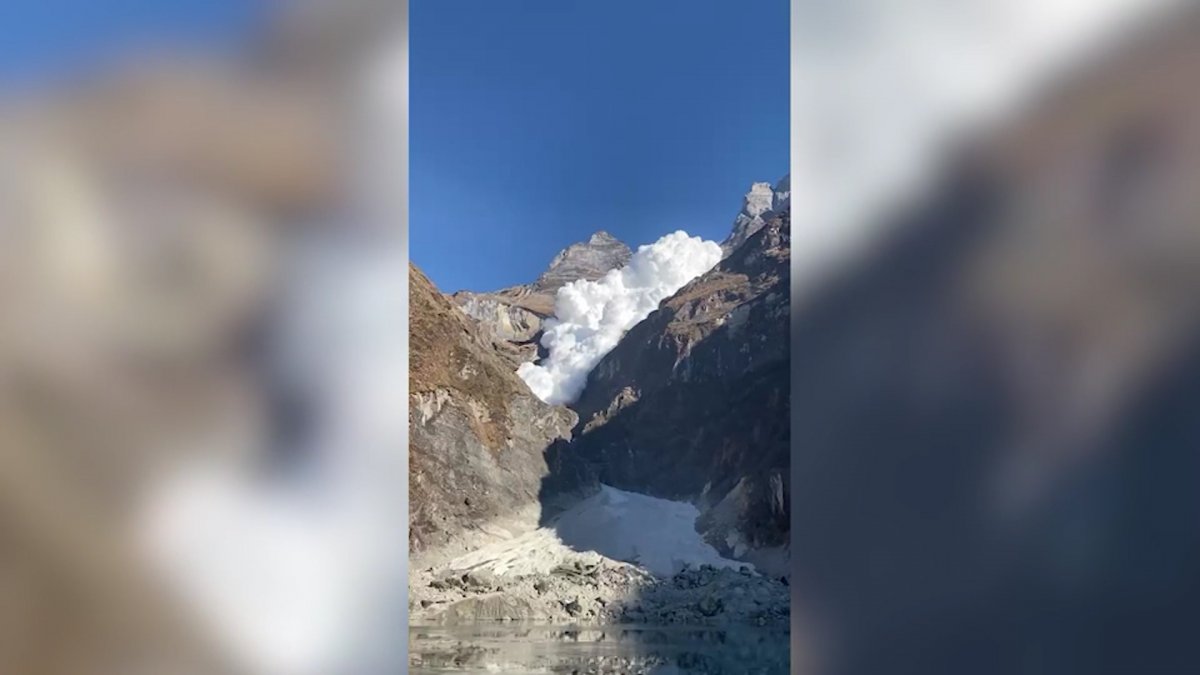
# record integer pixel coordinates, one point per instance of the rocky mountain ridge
(691, 406)
(713, 360)
(514, 315)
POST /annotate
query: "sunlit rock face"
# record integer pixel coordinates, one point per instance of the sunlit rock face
(478, 435)
(585, 260)
(506, 321)
(760, 203)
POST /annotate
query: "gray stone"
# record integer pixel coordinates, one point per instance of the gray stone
(490, 607)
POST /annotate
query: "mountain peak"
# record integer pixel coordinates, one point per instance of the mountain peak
(589, 259)
(758, 200)
(601, 238)
(761, 201)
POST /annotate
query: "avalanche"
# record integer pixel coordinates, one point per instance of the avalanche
(591, 316)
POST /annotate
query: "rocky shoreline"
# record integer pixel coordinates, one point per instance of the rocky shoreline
(590, 589)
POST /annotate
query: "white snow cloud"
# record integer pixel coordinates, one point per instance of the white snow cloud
(591, 316)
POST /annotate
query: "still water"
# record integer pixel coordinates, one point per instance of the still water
(632, 649)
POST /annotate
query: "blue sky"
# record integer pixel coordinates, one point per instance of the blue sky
(536, 122)
(42, 39)
(533, 122)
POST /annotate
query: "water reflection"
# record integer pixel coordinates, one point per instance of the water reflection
(656, 650)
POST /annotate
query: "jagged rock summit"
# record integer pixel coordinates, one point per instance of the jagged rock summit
(585, 260)
(760, 203)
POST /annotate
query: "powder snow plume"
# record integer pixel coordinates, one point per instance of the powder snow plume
(591, 316)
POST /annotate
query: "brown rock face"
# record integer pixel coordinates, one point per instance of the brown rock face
(692, 404)
(477, 434)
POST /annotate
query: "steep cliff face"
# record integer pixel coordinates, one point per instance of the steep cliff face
(477, 435)
(692, 404)
(513, 316)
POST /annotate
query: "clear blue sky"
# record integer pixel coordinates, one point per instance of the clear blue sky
(42, 39)
(536, 122)
(533, 122)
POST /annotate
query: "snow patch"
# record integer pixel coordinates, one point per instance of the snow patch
(658, 535)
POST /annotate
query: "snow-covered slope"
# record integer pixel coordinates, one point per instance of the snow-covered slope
(656, 534)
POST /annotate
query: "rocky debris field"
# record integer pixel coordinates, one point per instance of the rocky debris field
(591, 589)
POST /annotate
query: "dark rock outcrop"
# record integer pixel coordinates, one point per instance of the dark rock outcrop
(477, 434)
(692, 404)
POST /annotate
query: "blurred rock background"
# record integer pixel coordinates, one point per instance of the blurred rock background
(150, 199)
(994, 410)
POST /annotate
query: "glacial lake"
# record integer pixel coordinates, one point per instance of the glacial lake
(632, 649)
